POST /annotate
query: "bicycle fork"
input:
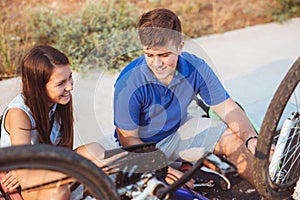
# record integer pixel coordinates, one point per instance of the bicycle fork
(275, 168)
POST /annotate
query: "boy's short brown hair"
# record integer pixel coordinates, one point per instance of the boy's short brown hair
(159, 26)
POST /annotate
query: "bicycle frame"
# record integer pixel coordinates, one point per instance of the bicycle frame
(148, 187)
(151, 187)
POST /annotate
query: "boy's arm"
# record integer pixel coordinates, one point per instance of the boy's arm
(128, 137)
(236, 120)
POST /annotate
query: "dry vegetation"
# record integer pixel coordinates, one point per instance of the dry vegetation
(214, 16)
(199, 17)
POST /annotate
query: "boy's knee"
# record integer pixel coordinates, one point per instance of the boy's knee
(228, 143)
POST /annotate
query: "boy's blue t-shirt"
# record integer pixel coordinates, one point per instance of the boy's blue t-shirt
(141, 101)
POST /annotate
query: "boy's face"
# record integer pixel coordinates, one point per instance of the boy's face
(162, 60)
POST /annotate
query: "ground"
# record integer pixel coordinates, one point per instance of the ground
(240, 189)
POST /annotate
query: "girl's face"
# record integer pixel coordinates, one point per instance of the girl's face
(163, 61)
(60, 85)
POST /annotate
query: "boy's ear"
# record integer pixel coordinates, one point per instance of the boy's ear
(180, 46)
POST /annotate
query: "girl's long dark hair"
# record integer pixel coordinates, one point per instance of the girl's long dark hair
(36, 69)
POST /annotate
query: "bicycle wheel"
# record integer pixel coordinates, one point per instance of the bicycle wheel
(50, 161)
(280, 129)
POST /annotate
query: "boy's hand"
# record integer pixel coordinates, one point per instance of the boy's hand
(173, 175)
(106, 163)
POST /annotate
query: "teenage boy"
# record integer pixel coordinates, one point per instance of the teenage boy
(153, 92)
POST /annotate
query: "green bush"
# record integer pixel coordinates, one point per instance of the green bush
(285, 9)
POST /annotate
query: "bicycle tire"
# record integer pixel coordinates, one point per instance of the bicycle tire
(262, 181)
(42, 156)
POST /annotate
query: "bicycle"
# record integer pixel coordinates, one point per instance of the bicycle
(280, 132)
(89, 180)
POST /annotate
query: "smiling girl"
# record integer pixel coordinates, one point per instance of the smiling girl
(43, 112)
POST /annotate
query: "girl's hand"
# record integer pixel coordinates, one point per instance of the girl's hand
(10, 181)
